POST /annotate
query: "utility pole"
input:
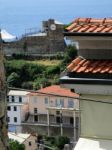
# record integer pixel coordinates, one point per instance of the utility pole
(3, 106)
(61, 121)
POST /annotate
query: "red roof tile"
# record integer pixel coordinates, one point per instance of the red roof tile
(91, 25)
(80, 65)
(55, 90)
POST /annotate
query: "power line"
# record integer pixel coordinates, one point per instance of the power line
(38, 92)
(36, 142)
(77, 98)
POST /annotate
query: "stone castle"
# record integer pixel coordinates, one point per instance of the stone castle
(49, 40)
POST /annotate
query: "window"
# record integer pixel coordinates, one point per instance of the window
(15, 108)
(15, 119)
(58, 119)
(20, 99)
(8, 108)
(7, 98)
(35, 141)
(46, 100)
(8, 119)
(77, 122)
(71, 120)
(62, 102)
(58, 112)
(30, 144)
(35, 110)
(36, 118)
(70, 103)
(12, 98)
(59, 102)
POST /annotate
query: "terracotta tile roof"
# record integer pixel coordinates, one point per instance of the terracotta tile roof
(80, 65)
(91, 25)
(55, 90)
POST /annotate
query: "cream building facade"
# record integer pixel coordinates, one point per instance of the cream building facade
(54, 107)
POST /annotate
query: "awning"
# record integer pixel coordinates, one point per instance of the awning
(93, 144)
(7, 37)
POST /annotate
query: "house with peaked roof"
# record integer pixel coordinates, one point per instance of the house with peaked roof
(54, 109)
(17, 109)
(29, 140)
(90, 75)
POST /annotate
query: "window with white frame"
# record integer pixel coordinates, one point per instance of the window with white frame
(20, 99)
(62, 102)
(7, 98)
(59, 102)
(46, 100)
(12, 98)
(8, 119)
(15, 108)
(70, 103)
(15, 119)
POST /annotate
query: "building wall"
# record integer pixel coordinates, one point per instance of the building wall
(51, 43)
(96, 116)
(39, 103)
(21, 113)
(89, 47)
(30, 143)
(16, 98)
(16, 114)
(3, 106)
(24, 112)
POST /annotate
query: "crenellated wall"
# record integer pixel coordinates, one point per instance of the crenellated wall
(48, 41)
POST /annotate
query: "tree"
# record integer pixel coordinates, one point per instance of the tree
(13, 80)
(70, 54)
(15, 145)
(61, 141)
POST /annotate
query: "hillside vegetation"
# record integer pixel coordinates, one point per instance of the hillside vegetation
(38, 73)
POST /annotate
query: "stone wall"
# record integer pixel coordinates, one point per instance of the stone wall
(3, 108)
(46, 42)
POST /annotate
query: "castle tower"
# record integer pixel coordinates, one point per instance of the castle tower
(3, 106)
(54, 30)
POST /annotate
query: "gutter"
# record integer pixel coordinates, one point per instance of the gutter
(86, 34)
(68, 80)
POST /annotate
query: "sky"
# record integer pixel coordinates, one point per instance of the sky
(18, 15)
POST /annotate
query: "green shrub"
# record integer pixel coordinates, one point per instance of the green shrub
(13, 80)
(14, 145)
(27, 85)
(61, 141)
(53, 70)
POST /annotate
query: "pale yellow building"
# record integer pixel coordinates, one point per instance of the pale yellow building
(54, 107)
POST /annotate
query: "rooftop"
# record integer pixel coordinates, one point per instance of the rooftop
(81, 65)
(56, 90)
(17, 93)
(18, 136)
(90, 25)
